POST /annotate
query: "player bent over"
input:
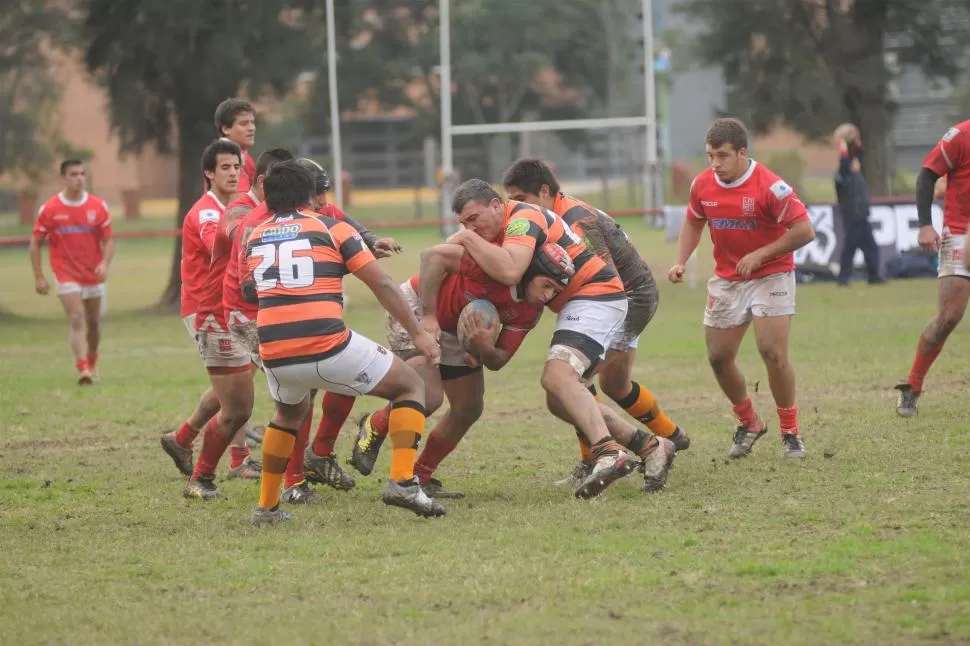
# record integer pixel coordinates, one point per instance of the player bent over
(77, 227)
(501, 237)
(447, 282)
(531, 180)
(950, 158)
(756, 222)
(297, 261)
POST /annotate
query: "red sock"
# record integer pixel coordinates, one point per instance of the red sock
(92, 359)
(238, 455)
(82, 365)
(379, 420)
(926, 354)
(435, 450)
(788, 420)
(186, 435)
(745, 413)
(294, 468)
(335, 409)
(214, 443)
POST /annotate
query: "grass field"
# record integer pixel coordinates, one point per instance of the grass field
(865, 542)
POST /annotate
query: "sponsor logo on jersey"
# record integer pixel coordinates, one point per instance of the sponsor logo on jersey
(208, 215)
(781, 190)
(734, 224)
(708, 203)
(950, 134)
(281, 232)
(517, 227)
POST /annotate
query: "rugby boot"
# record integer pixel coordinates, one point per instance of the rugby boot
(325, 470)
(366, 448)
(409, 495)
(907, 405)
(744, 438)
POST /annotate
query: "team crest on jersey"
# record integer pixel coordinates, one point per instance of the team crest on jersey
(781, 190)
(281, 232)
(950, 134)
(747, 205)
(92, 216)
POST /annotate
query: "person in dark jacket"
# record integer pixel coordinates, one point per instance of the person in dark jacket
(853, 198)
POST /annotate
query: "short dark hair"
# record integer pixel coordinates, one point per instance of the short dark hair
(269, 157)
(529, 174)
(288, 186)
(321, 181)
(228, 110)
(210, 156)
(67, 163)
(727, 130)
(473, 190)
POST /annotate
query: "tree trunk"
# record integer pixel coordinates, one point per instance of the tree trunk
(875, 128)
(194, 134)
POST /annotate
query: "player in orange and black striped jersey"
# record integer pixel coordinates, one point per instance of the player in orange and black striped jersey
(531, 180)
(501, 236)
(297, 260)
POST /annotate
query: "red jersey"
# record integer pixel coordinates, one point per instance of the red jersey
(752, 211)
(74, 231)
(237, 308)
(951, 157)
(247, 173)
(198, 232)
(298, 261)
(531, 226)
(211, 314)
(517, 315)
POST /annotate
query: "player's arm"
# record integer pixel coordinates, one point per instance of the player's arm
(107, 246)
(690, 235)
(436, 263)
(362, 264)
(247, 284)
(42, 228)
(508, 263)
(925, 192)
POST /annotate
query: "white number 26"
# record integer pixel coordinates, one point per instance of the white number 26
(295, 271)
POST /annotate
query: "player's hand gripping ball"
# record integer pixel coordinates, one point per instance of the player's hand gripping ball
(487, 316)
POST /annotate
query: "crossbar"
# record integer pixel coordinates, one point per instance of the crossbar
(537, 126)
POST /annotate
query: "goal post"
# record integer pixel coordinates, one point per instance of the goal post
(448, 180)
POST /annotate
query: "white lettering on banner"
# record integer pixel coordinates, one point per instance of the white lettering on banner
(820, 250)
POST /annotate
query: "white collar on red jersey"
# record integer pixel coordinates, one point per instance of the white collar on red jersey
(739, 181)
(67, 202)
(213, 196)
(252, 196)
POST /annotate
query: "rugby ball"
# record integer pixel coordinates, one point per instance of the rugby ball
(486, 312)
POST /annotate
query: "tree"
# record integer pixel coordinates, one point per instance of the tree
(29, 134)
(166, 64)
(816, 63)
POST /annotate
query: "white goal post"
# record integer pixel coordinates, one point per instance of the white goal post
(449, 130)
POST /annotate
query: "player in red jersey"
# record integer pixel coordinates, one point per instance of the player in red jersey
(228, 366)
(502, 238)
(950, 158)
(756, 222)
(77, 227)
(235, 120)
(448, 280)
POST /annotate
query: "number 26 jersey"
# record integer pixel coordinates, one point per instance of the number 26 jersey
(298, 261)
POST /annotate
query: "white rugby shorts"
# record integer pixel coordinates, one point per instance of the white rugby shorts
(731, 303)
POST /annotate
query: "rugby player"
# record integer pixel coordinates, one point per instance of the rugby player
(531, 180)
(756, 222)
(502, 237)
(297, 260)
(77, 227)
(949, 159)
(449, 279)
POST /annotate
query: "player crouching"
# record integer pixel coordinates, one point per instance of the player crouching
(448, 281)
(297, 261)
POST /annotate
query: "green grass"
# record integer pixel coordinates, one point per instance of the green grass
(866, 542)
